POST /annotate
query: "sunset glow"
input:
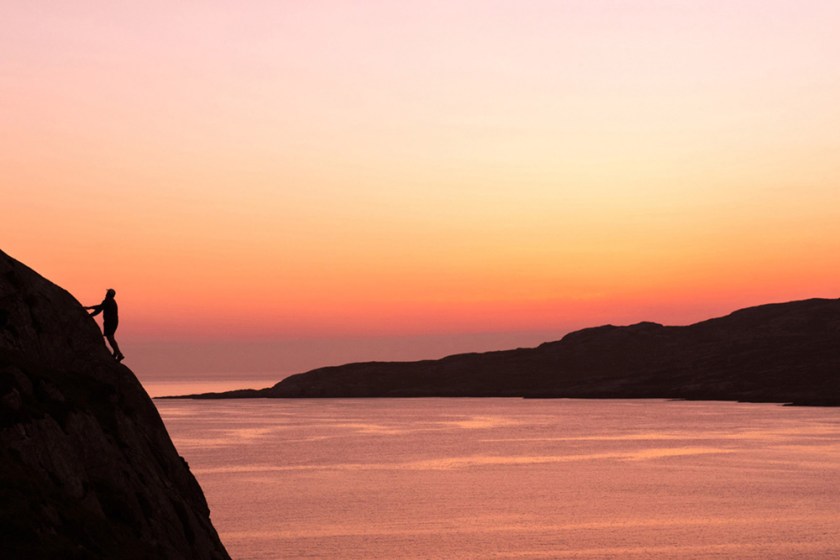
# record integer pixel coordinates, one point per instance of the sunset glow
(384, 169)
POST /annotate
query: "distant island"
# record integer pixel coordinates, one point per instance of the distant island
(779, 353)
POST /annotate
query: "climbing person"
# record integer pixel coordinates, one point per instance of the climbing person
(108, 308)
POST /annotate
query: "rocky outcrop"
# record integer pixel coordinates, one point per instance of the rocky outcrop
(87, 469)
(787, 353)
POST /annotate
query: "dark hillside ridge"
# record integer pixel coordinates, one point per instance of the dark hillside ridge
(783, 353)
(87, 469)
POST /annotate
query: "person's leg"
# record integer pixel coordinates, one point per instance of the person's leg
(115, 347)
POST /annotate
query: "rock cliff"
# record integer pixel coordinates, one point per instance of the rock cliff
(786, 353)
(87, 469)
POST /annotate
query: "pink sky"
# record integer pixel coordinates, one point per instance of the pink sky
(319, 182)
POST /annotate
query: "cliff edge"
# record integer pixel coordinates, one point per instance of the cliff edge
(87, 469)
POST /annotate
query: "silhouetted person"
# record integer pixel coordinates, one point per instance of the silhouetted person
(108, 308)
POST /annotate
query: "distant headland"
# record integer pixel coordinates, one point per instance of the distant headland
(780, 353)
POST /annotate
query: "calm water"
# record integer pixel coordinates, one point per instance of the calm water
(508, 478)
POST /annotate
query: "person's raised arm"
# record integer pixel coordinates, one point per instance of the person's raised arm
(97, 309)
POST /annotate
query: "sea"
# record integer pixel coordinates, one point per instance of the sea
(456, 479)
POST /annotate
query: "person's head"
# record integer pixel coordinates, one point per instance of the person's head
(110, 293)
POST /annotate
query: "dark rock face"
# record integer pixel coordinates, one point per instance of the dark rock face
(787, 353)
(87, 469)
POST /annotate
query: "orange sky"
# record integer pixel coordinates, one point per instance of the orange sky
(412, 171)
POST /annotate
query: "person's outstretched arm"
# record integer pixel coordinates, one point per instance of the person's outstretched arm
(97, 309)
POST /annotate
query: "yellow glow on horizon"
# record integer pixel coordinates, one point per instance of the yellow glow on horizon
(424, 167)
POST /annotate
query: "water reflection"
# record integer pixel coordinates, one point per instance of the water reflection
(507, 478)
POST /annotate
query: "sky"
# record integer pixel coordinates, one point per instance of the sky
(273, 186)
